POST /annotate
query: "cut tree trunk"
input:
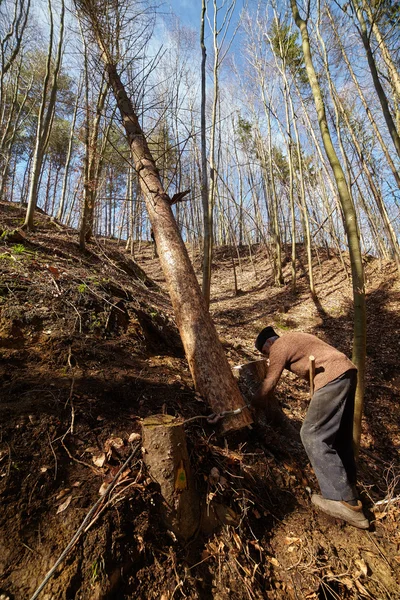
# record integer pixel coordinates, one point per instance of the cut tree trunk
(167, 461)
(250, 376)
(208, 364)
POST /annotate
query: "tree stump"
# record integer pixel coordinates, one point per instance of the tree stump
(167, 460)
(250, 376)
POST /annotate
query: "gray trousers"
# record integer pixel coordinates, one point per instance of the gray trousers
(327, 436)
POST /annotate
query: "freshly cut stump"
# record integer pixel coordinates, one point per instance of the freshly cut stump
(250, 376)
(167, 460)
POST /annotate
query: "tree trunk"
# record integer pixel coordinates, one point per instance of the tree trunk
(45, 118)
(364, 102)
(167, 460)
(375, 78)
(208, 364)
(207, 233)
(61, 208)
(350, 221)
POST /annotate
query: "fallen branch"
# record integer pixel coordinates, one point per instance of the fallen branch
(388, 501)
(77, 535)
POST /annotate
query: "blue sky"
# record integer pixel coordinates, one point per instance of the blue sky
(188, 11)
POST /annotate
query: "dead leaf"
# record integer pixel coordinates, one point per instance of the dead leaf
(62, 493)
(113, 443)
(292, 540)
(134, 437)
(237, 539)
(380, 515)
(273, 561)
(103, 488)
(124, 475)
(53, 270)
(347, 582)
(140, 541)
(361, 564)
(64, 505)
(99, 459)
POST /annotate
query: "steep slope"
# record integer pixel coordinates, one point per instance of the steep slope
(89, 347)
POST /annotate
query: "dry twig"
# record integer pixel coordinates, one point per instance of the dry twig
(78, 533)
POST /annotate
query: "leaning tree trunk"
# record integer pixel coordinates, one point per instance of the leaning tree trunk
(375, 78)
(364, 101)
(350, 222)
(208, 364)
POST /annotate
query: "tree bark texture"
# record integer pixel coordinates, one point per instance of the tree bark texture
(208, 364)
(167, 461)
(350, 223)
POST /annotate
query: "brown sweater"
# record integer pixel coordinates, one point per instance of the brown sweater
(292, 352)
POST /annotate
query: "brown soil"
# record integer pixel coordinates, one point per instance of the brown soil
(89, 348)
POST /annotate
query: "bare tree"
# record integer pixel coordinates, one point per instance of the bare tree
(350, 217)
(46, 113)
(220, 29)
(365, 36)
(207, 362)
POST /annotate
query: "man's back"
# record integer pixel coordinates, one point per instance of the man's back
(292, 352)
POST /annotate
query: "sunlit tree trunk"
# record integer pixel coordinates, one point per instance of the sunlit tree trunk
(9, 125)
(338, 106)
(10, 44)
(91, 162)
(208, 364)
(61, 207)
(46, 114)
(350, 219)
(364, 101)
(375, 76)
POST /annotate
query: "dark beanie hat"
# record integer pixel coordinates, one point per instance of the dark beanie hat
(262, 337)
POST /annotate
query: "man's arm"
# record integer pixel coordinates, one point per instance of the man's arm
(267, 387)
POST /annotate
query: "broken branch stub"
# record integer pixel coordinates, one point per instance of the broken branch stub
(167, 460)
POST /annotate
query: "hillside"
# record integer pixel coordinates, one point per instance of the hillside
(89, 347)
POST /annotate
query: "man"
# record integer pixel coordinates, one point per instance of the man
(326, 432)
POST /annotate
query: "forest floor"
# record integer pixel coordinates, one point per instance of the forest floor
(88, 348)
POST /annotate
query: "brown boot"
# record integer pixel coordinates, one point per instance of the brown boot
(342, 510)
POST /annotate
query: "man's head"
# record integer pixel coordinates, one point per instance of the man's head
(265, 339)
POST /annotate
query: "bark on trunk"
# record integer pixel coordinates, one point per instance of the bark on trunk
(208, 364)
(375, 78)
(350, 223)
(167, 460)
